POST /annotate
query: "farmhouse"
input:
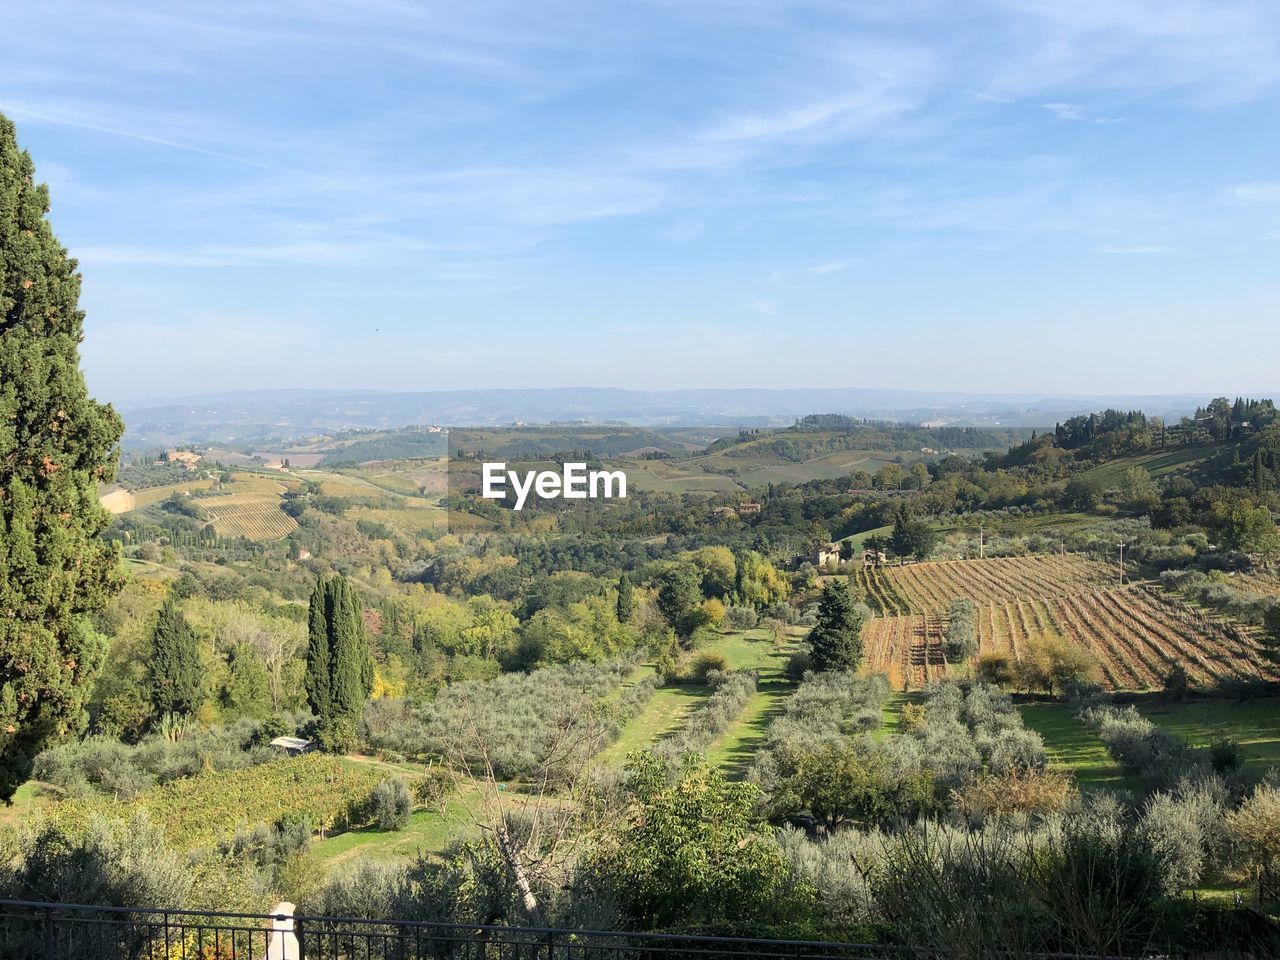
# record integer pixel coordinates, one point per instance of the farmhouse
(826, 556)
(750, 508)
(189, 459)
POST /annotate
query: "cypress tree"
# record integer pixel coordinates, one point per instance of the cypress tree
(175, 669)
(350, 669)
(836, 639)
(339, 673)
(626, 599)
(56, 445)
(316, 679)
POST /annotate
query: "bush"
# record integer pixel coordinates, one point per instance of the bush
(996, 669)
(798, 664)
(741, 618)
(392, 804)
(114, 863)
(705, 663)
(962, 634)
(1225, 755)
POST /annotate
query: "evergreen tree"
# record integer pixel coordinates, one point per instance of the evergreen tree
(56, 445)
(680, 599)
(912, 536)
(836, 639)
(175, 669)
(316, 679)
(626, 599)
(339, 673)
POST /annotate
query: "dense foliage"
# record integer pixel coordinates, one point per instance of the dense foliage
(56, 445)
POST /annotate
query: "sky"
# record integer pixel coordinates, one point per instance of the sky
(1020, 195)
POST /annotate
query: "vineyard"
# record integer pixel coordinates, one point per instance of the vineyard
(1135, 632)
(251, 509)
(929, 588)
(328, 793)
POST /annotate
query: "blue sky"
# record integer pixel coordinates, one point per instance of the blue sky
(1044, 196)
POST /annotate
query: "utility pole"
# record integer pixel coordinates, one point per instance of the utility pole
(982, 553)
(1122, 563)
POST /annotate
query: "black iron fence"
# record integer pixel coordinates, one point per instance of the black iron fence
(52, 931)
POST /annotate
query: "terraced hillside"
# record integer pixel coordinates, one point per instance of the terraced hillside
(1136, 633)
(250, 508)
(930, 588)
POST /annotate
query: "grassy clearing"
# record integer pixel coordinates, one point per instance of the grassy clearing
(736, 747)
(828, 467)
(429, 831)
(1254, 724)
(892, 713)
(666, 476)
(1074, 747)
(858, 539)
(1158, 464)
(670, 705)
(144, 498)
(662, 715)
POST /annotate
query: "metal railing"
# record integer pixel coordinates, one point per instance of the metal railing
(31, 930)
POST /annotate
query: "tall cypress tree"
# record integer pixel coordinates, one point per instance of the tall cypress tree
(316, 679)
(175, 669)
(339, 673)
(56, 444)
(836, 639)
(626, 599)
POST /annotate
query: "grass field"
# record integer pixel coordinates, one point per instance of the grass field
(673, 476)
(838, 464)
(409, 478)
(670, 705)
(417, 517)
(145, 498)
(734, 750)
(1074, 747)
(1159, 464)
(858, 539)
(1254, 724)
(429, 831)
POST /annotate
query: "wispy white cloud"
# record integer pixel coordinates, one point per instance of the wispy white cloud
(1258, 193)
(1131, 249)
(60, 118)
(1070, 111)
(830, 266)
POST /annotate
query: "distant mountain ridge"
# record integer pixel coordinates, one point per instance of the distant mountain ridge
(261, 415)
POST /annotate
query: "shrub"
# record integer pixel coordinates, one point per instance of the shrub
(115, 863)
(962, 635)
(741, 618)
(1185, 829)
(705, 663)
(1016, 790)
(798, 664)
(996, 669)
(1225, 755)
(1254, 830)
(392, 804)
